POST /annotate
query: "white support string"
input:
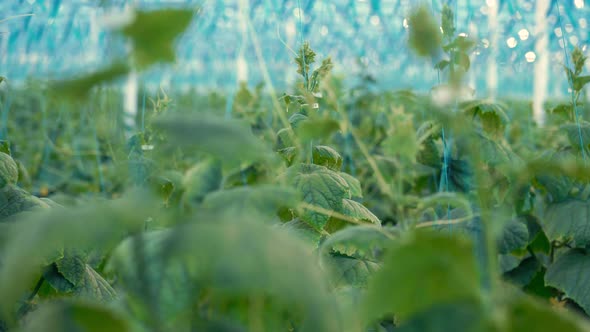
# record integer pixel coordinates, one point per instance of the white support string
(542, 61)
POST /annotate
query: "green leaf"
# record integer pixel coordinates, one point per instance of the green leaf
(8, 170)
(350, 271)
(441, 65)
(14, 200)
(285, 138)
(462, 60)
(425, 38)
(5, 147)
(568, 220)
(304, 59)
(356, 191)
(456, 317)
(317, 129)
(289, 154)
(358, 212)
(580, 82)
(460, 43)
(201, 179)
(354, 253)
(79, 88)
(524, 273)
(319, 187)
(525, 314)
(229, 140)
(492, 115)
(296, 119)
(326, 156)
(261, 201)
(514, 236)
(153, 33)
(87, 283)
(74, 317)
(303, 230)
(211, 256)
(405, 286)
(35, 238)
(360, 242)
(569, 273)
(507, 263)
(576, 132)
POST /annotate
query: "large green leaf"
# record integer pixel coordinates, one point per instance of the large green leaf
(446, 271)
(570, 273)
(456, 317)
(230, 260)
(229, 140)
(74, 317)
(153, 34)
(36, 237)
(568, 220)
(514, 236)
(319, 187)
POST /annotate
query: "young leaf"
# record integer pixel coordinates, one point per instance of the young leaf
(328, 157)
(319, 187)
(317, 129)
(425, 36)
(304, 59)
(79, 88)
(153, 34)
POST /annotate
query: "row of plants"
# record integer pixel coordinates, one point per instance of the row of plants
(320, 209)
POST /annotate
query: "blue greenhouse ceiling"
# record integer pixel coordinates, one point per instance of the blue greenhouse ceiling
(237, 40)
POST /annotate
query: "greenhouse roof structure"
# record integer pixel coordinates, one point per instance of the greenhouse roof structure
(54, 38)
